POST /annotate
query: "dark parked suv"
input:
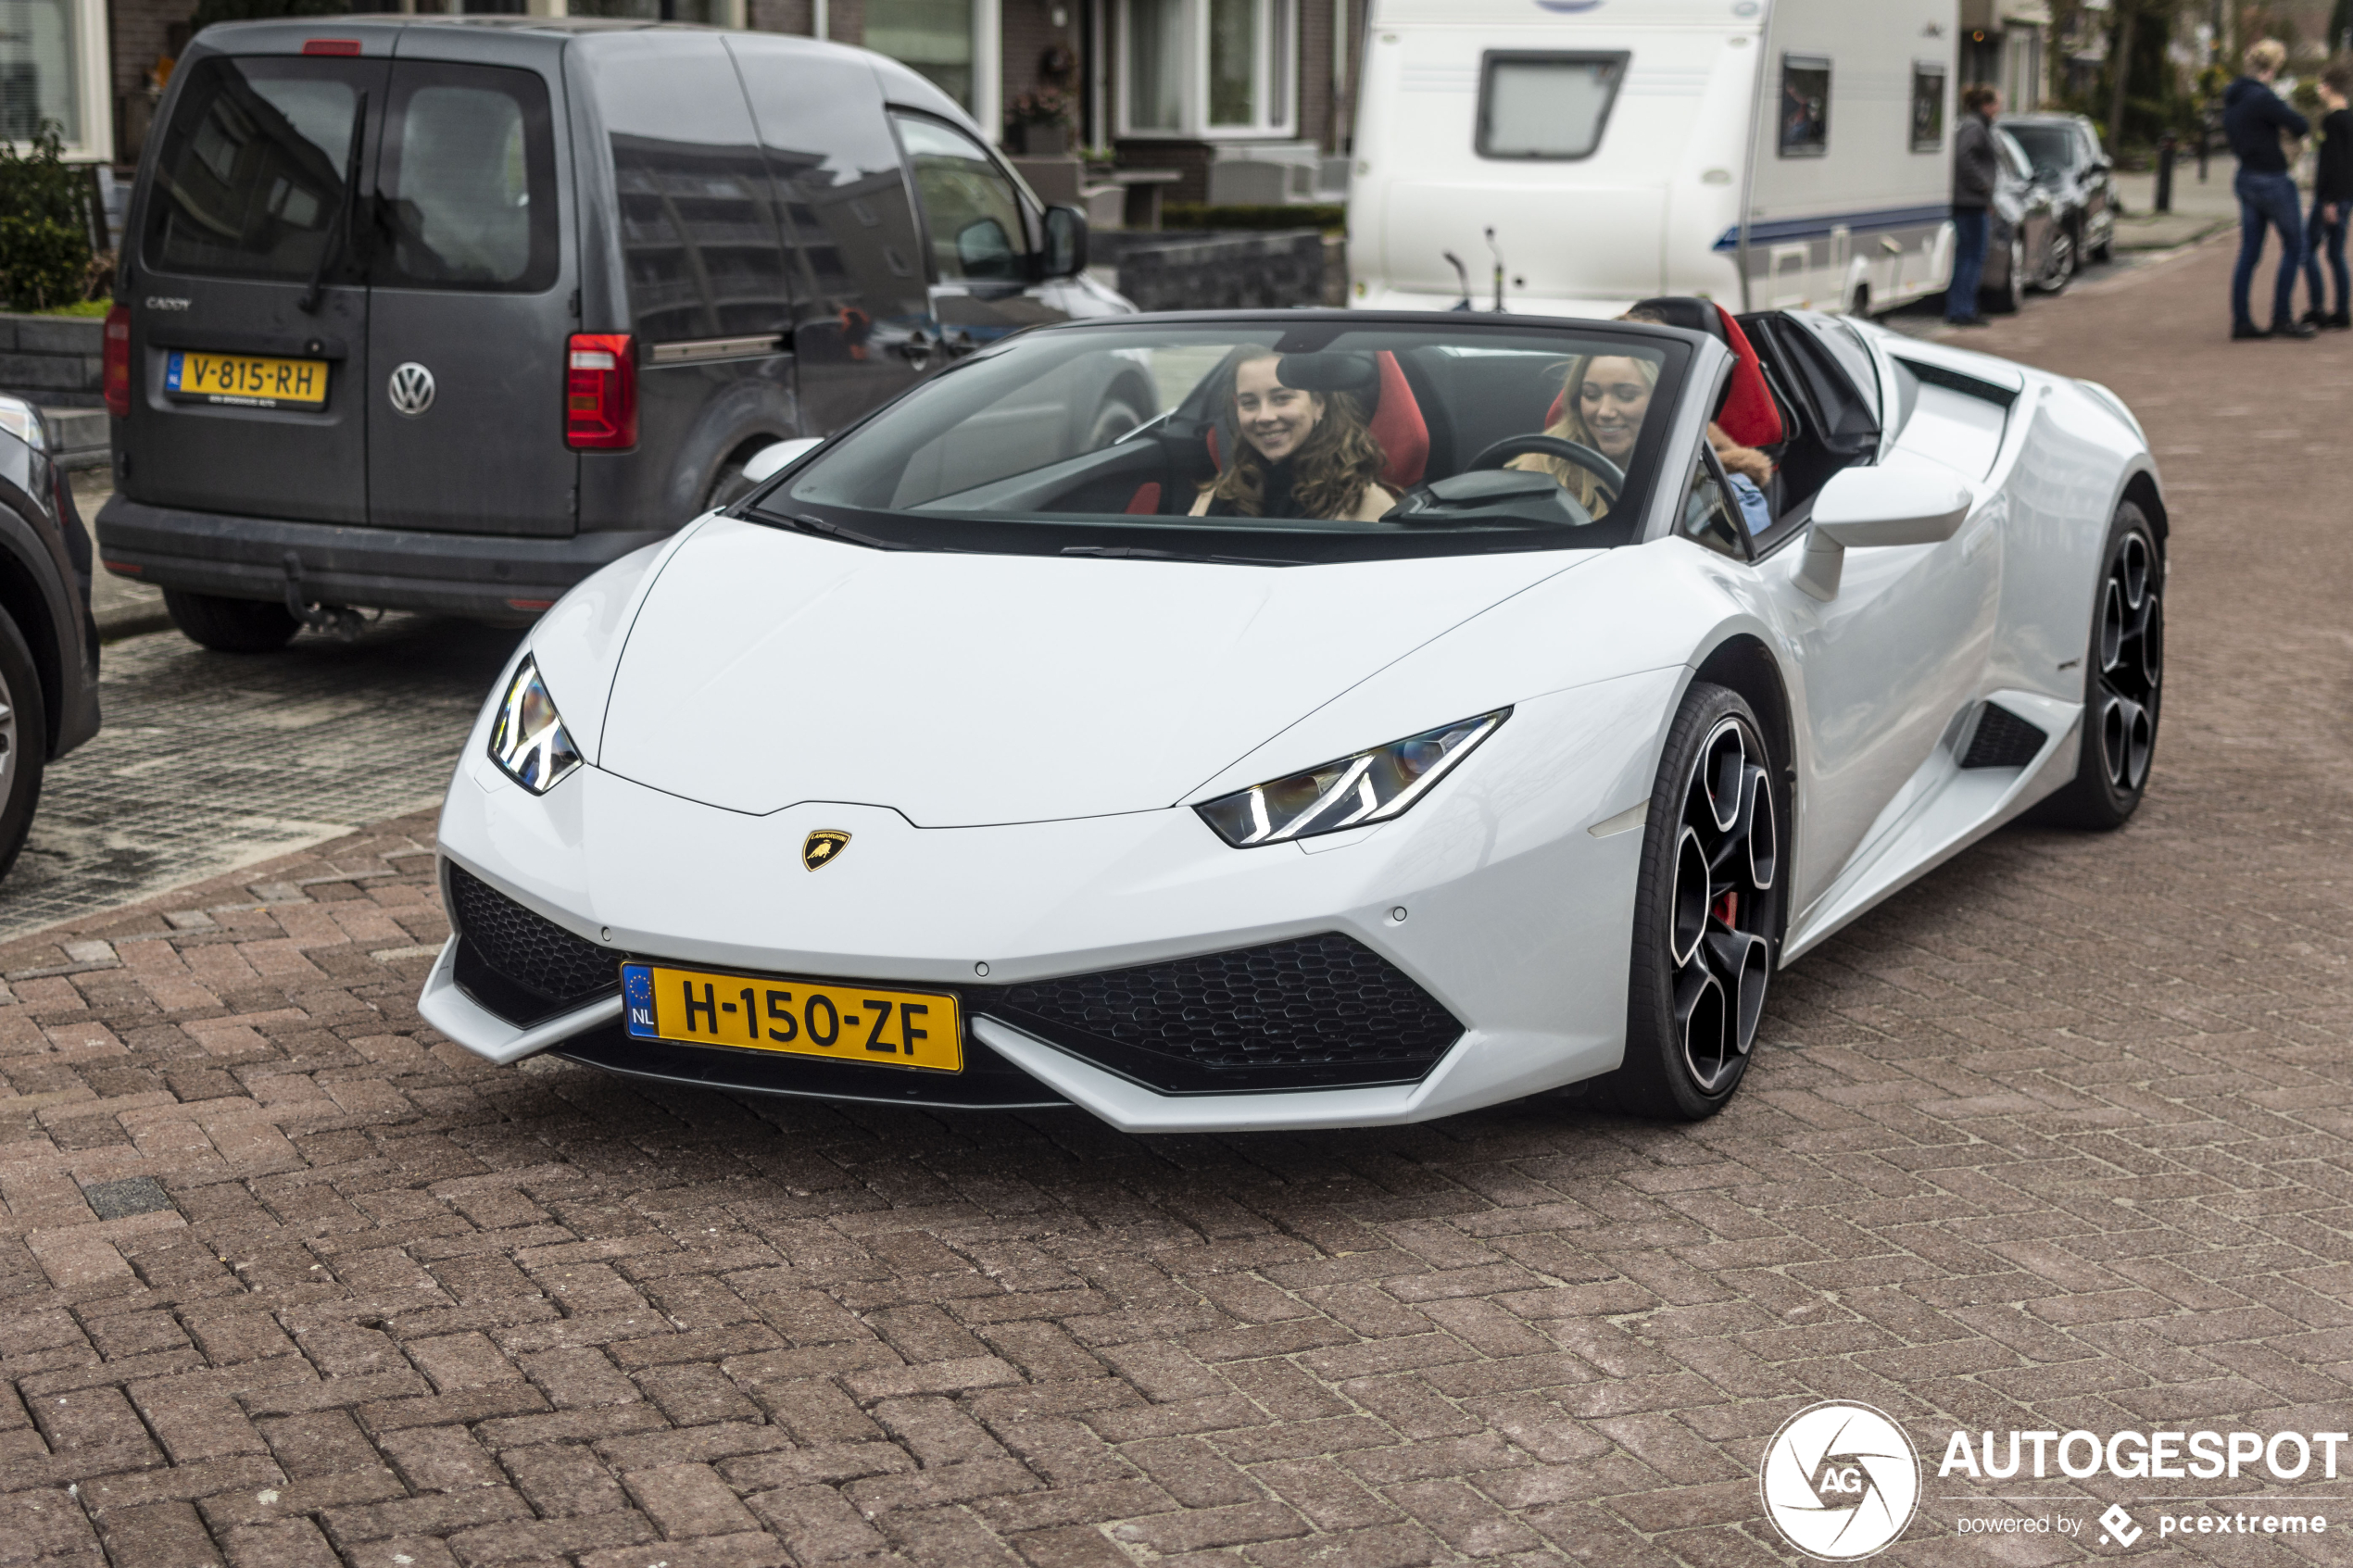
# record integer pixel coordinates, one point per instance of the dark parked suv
(48, 643)
(447, 314)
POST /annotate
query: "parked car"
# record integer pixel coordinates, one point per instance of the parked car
(2066, 152)
(1500, 743)
(2030, 246)
(447, 314)
(49, 642)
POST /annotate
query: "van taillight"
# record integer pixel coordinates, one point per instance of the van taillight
(601, 392)
(117, 378)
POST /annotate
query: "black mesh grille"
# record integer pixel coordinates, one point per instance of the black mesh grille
(1316, 1013)
(521, 951)
(2003, 740)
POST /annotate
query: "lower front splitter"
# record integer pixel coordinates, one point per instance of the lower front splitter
(988, 1083)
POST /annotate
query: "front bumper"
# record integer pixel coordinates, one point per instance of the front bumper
(1516, 921)
(245, 558)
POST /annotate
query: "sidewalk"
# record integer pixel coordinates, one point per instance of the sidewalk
(2198, 209)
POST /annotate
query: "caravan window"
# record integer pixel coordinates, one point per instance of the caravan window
(1928, 105)
(1546, 106)
(1805, 105)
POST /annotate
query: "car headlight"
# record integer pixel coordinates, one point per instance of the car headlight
(1371, 787)
(529, 742)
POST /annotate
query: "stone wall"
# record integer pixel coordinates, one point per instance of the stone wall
(54, 360)
(1211, 270)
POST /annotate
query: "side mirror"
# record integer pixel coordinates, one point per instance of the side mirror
(1869, 507)
(1065, 243)
(769, 461)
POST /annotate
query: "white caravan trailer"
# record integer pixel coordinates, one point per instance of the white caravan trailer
(1575, 156)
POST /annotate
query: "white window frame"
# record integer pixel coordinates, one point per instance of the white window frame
(93, 141)
(1277, 76)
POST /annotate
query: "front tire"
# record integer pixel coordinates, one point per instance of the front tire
(2061, 270)
(2005, 298)
(1707, 912)
(24, 741)
(227, 625)
(2123, 683)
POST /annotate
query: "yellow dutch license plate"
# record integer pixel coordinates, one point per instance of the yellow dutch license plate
(248, 379)
(838, 1022)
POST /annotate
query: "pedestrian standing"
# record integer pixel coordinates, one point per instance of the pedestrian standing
(1976, 167)
(2255, 118)
(2332, 200)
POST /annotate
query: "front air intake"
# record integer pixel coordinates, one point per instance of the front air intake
(521, 965)
(1319, 1012)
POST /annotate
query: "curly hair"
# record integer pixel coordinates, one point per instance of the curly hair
(1331, 469)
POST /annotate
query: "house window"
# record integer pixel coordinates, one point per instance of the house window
(40, 71)
(1805, 105)
(1207, 67)
(1928, 105)
(934, 37)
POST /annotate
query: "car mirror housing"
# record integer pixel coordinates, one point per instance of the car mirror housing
(1065, 252)
(1870, 508)
(769, 461)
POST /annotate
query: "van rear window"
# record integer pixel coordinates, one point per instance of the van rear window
(250, 178)
(1546, 106)
(468, 182)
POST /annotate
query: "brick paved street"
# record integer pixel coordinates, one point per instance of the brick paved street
(2062, 1138)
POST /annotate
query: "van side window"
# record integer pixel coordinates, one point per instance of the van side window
(249, 180)
(1545, 105)
(468, 180)
(699, 225)
(1805, 105)
(969, 206)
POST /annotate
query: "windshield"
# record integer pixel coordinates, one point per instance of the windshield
(2048, 147)
(1278, 438)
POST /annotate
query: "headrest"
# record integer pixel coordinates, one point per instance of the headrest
(1682, 310)
(1748, 413)
(1355, 374)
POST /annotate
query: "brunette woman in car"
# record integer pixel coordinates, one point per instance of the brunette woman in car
(1304, 454)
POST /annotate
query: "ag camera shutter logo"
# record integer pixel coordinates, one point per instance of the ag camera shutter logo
(1841, 1481)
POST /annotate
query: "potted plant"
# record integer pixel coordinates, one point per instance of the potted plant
(1039, 123)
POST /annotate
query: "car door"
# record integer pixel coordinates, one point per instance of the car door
(1888, 660)
(470, 308)
(978, 236)
(862, 329)
(249, 311)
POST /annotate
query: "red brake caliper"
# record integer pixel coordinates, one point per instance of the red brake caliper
(1727, 908)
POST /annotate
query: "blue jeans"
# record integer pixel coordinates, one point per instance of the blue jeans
(1969, 263)
(2319, 234)
(2267, 200)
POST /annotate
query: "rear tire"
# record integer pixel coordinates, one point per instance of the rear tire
(227, 625)
(1707, 913)
(24, 741)
(2123, 685)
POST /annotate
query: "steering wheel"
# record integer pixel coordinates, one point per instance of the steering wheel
(1611, 478)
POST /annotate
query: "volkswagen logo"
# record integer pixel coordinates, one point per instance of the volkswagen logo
(411, 389)
(1841, 1481)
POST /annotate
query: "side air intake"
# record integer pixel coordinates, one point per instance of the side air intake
(2003, 740)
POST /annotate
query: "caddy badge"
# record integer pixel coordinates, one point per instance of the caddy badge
(819, 848)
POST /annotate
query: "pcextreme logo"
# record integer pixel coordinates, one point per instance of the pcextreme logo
(1841, 1481)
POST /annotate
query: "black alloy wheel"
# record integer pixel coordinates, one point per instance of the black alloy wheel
(24, 740)
(2124, 682)
(1707, 913)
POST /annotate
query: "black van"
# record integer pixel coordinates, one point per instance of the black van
(447, 314)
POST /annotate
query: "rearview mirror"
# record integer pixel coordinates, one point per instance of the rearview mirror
(769, 461)
(1066, 242)
(1870, 508)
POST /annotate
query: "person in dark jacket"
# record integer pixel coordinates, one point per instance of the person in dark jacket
(1976, 167)
(2332, 201)
(2254, 119)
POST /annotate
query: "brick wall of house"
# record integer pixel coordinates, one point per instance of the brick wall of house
(139, 32)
